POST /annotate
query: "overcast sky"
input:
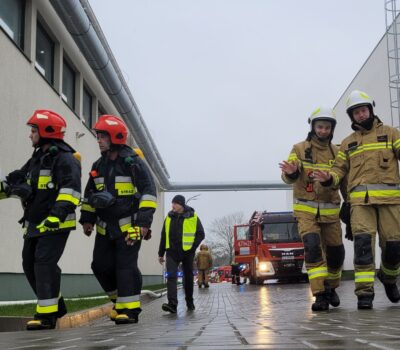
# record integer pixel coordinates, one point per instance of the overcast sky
(226, 86)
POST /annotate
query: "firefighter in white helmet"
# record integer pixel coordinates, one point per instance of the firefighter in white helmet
(369, 157)
(317, 208)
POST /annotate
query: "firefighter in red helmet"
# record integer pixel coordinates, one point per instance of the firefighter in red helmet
(120, 198)
(48, 186)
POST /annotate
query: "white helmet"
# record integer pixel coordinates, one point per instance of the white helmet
(358, 98)
(322, 113)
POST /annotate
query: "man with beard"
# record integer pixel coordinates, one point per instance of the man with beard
(369, 157)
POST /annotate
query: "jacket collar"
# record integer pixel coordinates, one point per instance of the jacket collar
(188, 213)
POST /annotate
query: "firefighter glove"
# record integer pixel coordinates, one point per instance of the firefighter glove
(344, 213)
(22, 191)
(349, 233)
(134, 233)
(16, 177)
(51, 223)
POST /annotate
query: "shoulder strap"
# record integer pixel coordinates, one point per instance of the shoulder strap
(308, 152)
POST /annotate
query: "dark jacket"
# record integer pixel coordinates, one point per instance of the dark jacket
(105, 171)
(175, 234)
(50, 174)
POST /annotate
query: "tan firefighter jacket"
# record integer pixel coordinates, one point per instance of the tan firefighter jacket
(311, 199)
(203, 260)
(370, 160)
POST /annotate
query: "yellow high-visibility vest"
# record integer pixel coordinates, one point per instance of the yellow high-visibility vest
(188, 232)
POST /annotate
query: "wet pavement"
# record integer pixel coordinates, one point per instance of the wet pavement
(274, 316)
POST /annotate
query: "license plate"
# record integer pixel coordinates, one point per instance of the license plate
(289, 265)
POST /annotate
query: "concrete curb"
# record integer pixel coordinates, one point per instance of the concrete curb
(83, 317)
(76, 319)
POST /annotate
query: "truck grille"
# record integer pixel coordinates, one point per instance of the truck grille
(286, 253)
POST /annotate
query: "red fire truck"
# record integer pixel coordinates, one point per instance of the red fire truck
(270, 247)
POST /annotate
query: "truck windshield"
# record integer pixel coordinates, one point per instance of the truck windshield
(281, 232)
(242, 233)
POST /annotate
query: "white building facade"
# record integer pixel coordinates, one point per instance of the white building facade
(42, 67)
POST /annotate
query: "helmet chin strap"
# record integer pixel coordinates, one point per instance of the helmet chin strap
(324, 139)
(366, 124)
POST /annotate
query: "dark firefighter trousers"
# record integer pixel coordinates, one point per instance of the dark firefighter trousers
(115, 265)
(40, 256)
(172, 271)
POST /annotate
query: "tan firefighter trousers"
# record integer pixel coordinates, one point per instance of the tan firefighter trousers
(366, 220)
(203, 277)
(324, 253)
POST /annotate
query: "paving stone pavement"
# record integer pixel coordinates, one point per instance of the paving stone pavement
(273, 316)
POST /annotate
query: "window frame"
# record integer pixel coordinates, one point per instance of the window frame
(86, 90)
(70, 67)
(6, 29)
(38, 66)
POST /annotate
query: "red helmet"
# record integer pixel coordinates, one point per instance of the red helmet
(49, 124)
(114, 126)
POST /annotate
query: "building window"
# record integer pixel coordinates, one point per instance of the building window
(12, 19)
(68, 85)
(44, 54)
(100, 110)
(87, 107)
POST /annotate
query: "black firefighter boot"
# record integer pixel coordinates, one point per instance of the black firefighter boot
(392, 292)
(333, 297)
(62, 308)
(365, 302)
(41, 322)
(127, 317)
(321, 302)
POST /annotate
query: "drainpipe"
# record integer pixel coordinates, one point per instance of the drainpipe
(82, 24)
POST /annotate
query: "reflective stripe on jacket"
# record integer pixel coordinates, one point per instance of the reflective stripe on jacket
(370, 158)
(311, 198)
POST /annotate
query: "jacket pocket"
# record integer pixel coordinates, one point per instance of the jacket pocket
(356, 161)
(384, 159)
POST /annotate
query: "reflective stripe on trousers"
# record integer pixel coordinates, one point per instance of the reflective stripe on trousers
(131, 302)
(364, 276)
(317, 272)
(47, 306)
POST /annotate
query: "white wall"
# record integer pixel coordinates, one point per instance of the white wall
(23, 90)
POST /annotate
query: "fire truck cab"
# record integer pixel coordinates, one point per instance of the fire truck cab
(271, 247)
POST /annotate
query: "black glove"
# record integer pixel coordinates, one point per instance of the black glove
(349, 233)
(22, 191)
(345, 216)
(16, 177)
(344, 213)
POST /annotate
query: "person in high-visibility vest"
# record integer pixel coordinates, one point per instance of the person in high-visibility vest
(181, 234)
(369, 158)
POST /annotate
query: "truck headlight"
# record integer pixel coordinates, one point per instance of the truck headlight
(266, 267)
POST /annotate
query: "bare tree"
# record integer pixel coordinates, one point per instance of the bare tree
(220, 238)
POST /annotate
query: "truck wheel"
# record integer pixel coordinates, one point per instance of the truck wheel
(253, 280)
(260, 281)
